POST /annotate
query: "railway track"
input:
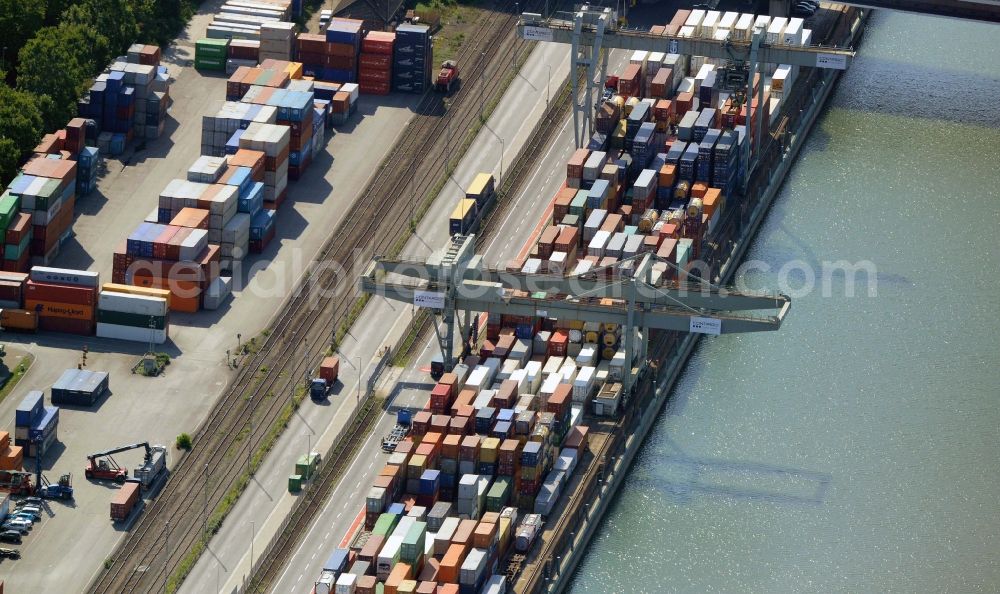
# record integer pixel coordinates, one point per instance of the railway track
(175, 522)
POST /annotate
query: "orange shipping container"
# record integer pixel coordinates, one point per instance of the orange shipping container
(53, 309)
(12, 458)
(451, 563)
(463, 534)
(19, 319)
(712, 201)
(193, 218)
(484, 535)
(400, 572)
(448, 589)
(4, 440)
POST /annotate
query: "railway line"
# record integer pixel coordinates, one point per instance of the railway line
(176, 521)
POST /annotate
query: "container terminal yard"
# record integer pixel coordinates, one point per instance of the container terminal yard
(246, 224)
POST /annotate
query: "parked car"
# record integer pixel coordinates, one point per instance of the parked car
(10, 554)
(30, 509)
(36, 501)
(28, 515)
(18, 526)
(10, 536)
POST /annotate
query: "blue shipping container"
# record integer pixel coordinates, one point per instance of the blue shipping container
(29, 409)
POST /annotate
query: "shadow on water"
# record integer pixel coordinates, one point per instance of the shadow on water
(682, 477)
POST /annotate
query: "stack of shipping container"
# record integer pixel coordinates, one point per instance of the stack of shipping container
(412, 64)
(11, 456)
(211, 54)
(375, 63)
(242, 19)
(65, 301)
(35, 427)
(129, 101)
(277, 40)
(345, 37)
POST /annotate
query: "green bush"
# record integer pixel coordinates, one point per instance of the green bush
(184, 442)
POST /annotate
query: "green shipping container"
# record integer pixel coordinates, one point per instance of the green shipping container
(579, 203)
(211, 48)
(306, 465)
(294, 483)
(499, 493)
(131, 319)
(48, 195)
(413, 543)
(13, 252)
(206, 64)
(385, 524)
(9, 207)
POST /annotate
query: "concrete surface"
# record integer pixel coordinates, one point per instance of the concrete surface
(158, 409)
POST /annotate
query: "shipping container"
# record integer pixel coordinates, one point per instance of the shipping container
(124, 501)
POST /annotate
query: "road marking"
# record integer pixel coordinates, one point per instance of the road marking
(340, 514)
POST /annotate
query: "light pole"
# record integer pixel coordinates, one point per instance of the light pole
(253, 533)
(447, 123)
(501, 152)
(357, 398)
(548, 83)
(205, 500)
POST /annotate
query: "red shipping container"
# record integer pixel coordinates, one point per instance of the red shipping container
(378, 42)
(66, 326)
(375, 61)
(74, 294)
(629, 83)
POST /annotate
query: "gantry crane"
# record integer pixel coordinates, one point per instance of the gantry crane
(454, 279)
(593, 30)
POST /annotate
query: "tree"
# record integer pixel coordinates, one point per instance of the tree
(10, 158)
(20, 129)
(115, 19)
(57, 63)
(19, 20)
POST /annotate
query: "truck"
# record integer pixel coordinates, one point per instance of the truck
(404, 419)
(124, 501)
(437, 366)
(63, 489)
(329, 371)
(332, 569)
(446, 76)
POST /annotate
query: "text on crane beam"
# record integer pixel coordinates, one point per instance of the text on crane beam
(706, 326)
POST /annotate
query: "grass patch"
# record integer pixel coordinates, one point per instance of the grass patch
(18, 372)
(233, 494)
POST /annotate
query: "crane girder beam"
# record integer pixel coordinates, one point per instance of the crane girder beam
(560, 31)
(646, 315)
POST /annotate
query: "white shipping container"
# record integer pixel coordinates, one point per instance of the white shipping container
(567, 372)
(497, 584)
(346, 583)
(134, 304)
(521, 377)
(483, 399)
(552, 365)
(694, 21)
(762, 21)
(534, 371)
(131, 333)
(532, 266)
(442, 539)
(493, 365)
(743, 29)
(598, 243)
(194, 244)
(65, 276)
(587, 355)
(549, 386)
(467, 486)
(776, 29)
(473, 566)
(728, 20)
(217, 292)
(710, 23)
(509, 367)
(793, 32)
(388, 556)
(583, 385)
(478, 379)
(594, 222)
(582, 267)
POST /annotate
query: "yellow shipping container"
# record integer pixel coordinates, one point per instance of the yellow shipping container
(481, 184)
(133, 290)
(294, 70)
(489, 449)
